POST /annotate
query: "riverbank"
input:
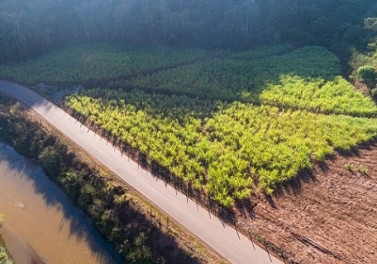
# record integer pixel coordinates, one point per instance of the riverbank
(4, 257)
(139, 231)
(42, 225)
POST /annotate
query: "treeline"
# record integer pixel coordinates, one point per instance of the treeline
(30, 28)
(137, 237)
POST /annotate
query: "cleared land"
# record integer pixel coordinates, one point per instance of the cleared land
(328, 217)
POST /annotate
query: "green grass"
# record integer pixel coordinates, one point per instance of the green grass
(225, 150)
(97, 61)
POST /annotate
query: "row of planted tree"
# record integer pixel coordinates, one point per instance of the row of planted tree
(229, 148)
(306, 78)
(224, 150)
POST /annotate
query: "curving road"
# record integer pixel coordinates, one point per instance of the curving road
(233, 246)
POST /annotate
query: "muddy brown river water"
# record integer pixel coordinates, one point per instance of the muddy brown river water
(42, 225)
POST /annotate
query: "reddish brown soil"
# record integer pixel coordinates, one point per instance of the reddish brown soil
(328, 216)
(362, 88)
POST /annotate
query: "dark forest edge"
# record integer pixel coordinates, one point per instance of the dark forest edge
(139, 232)
(29, 29)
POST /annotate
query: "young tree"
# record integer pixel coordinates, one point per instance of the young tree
(368, 75)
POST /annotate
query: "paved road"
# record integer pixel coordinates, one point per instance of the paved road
(224, 239)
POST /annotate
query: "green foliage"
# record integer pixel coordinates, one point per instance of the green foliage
(359, 60)
(31, 29)
(97, 61)
(367, 74)
(140, 254)
(50, 160)
(234, 79)
(336, 96)
(263, 52)
(350, 166)
(4, 259)
(362, 169)
(225, 150)
(306, 79)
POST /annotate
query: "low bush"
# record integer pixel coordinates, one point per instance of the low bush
(367, 74)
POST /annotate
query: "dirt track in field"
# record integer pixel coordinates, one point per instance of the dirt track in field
(330, 217)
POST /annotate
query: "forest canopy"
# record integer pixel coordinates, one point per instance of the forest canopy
(32, 28)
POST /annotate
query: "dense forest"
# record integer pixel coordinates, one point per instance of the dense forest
(31, 28)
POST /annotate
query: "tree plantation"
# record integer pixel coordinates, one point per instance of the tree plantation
(97, 61)
(241, 79)
(305, 78)
(227, 150)
(206, 129)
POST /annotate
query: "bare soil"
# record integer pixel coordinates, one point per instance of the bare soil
(361, 87)
(328, 215)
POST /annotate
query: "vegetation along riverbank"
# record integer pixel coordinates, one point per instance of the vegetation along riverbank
(138, 231)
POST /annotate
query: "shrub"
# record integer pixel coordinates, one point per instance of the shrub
(350, 166)
(50, 159)
(367, 74)
(362, 169)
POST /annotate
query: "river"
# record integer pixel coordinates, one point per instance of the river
(42, 225)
